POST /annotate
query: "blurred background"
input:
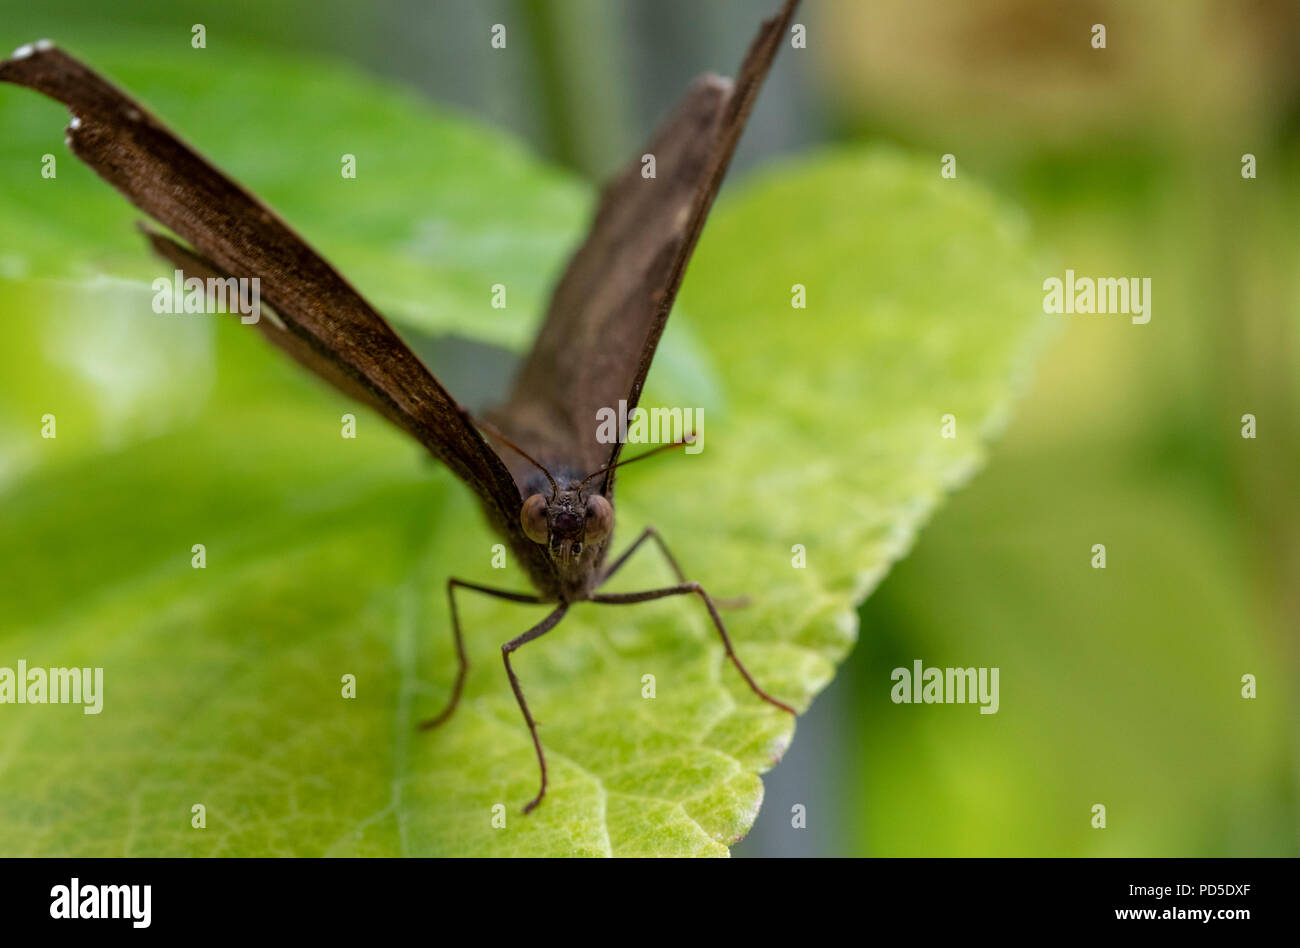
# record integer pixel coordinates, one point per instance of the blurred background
(1120, 686)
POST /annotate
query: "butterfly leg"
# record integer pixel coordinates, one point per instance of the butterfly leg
(535, 632)
(650, 533)
(460, 643)
(688, 589)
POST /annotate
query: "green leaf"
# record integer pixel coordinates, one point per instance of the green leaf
(441, 206)
(328, 557)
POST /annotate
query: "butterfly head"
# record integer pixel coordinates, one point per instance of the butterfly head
(567, 523)
(576, 519)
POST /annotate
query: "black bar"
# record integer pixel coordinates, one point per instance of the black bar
(333, 897)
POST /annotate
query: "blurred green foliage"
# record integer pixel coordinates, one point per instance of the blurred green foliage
(1121, 686)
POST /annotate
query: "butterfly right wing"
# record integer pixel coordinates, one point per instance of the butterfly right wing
(328, 326)
(610, 307)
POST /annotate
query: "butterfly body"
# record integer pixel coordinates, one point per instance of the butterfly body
(544, 479)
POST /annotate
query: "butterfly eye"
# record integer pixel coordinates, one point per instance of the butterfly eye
(600, 518)
(532, 517)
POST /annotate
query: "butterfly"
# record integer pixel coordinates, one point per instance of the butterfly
(543, 477)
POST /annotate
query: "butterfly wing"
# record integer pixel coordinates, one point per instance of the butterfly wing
(610, 307)
(327, 325)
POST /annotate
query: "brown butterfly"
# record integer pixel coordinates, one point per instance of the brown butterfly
(544, 479)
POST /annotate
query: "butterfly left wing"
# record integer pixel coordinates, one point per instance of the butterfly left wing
(193, 266)
(327, 325)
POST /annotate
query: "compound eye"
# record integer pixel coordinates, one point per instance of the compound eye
(532, 517)
(600, 518)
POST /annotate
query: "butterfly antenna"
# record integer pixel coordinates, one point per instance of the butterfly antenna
(495, 432)
(689, 439)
